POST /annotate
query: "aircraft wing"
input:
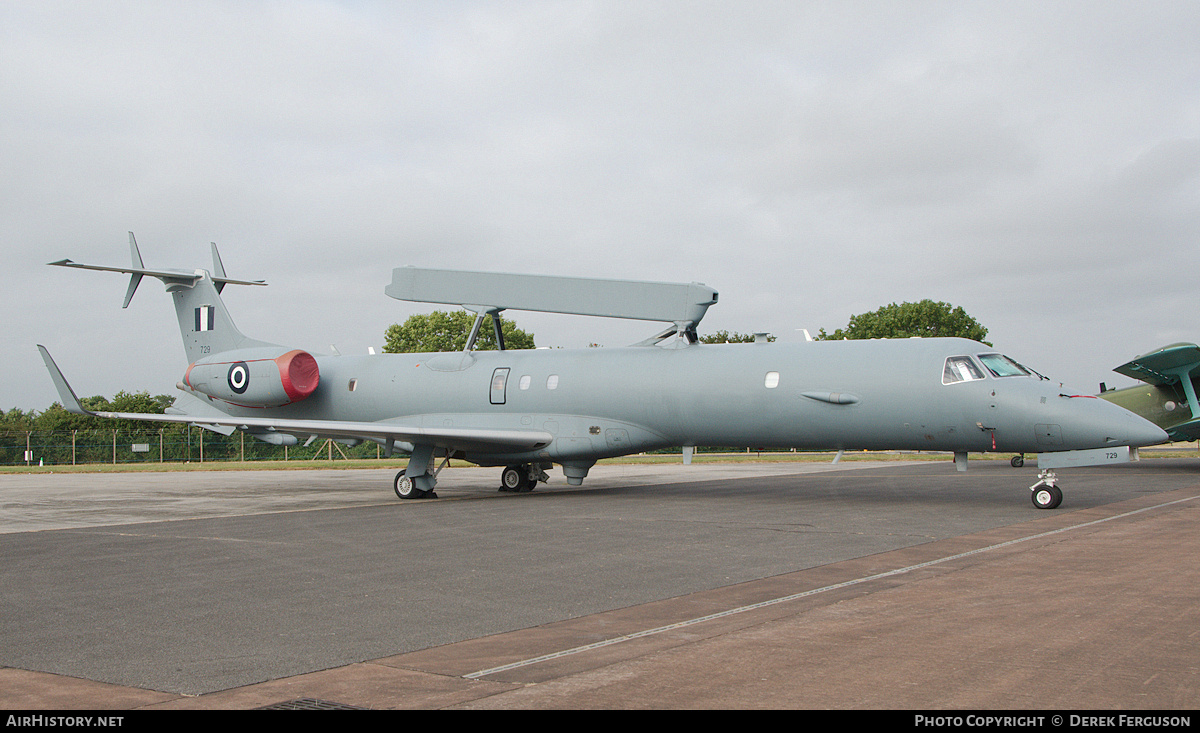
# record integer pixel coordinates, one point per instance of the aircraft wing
(1189, 430)
(1163, 366)
(1171, 366)
(472, 440)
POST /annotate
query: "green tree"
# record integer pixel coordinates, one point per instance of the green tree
(926, 319)
(725, 337)
(442, 331)
(16, 420)
(141, 402)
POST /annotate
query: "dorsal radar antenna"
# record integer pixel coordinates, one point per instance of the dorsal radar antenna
(487, 293)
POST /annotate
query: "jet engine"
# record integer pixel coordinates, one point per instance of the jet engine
(256, 377)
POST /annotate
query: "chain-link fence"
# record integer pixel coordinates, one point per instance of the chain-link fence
(181, 443)
(178, 444)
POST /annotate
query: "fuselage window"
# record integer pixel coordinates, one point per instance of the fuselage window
(353, 384)
(499, 379)
(524, 384)
(772, 380)
(960, 369)
(552, 381)
(1001, 366)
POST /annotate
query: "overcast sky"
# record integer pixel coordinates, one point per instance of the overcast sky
(1037, 163)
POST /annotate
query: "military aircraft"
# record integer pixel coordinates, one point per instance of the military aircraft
(1168, 396)
(526, 410)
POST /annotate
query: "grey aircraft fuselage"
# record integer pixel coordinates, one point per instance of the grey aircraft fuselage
(605, 402)
(528, 409)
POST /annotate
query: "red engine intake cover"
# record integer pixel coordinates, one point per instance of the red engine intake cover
(299, 373)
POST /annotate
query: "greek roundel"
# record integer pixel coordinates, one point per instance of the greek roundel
(239, 377)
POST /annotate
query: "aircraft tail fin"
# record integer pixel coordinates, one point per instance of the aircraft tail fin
(204, 322)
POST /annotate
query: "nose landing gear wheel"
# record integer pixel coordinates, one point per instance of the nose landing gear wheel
(1047, 497)
(1045, 493)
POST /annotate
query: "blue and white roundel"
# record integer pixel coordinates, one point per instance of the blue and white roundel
(239, 377)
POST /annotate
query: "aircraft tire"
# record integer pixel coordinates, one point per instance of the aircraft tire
(1047, 497)
(1017, 461)
(528, 483)
(405, 488)
(513, 479)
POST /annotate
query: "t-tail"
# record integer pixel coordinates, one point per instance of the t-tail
(224, 363)
(204, 322)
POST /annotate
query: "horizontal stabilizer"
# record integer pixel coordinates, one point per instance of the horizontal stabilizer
(648, 301)
(183, 275)
(137, 271)
(189, 277)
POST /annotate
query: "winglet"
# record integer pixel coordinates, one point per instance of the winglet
(136, 277)
(66, 395)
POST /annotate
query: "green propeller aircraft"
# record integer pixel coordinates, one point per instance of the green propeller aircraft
(1168, 396)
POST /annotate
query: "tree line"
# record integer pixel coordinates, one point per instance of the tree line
(55, 436)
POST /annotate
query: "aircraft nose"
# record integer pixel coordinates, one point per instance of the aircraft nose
(1107, 424)
(1146, 433)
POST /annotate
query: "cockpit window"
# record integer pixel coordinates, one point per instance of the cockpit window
(1001, 366)
(960, 369)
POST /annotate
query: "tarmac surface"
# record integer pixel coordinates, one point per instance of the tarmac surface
(862, 585)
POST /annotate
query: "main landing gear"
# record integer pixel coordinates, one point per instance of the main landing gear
(1045, 493)
(516, 478)
(405, 489)
(521, 478)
